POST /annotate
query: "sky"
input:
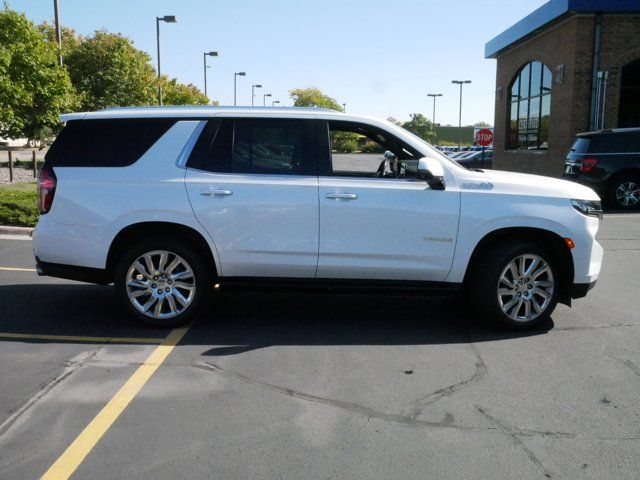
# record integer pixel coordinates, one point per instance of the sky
(379, 57)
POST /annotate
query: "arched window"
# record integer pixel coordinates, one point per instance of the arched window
(529, 108)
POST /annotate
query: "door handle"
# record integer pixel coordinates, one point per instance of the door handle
(215, 192)
(342, 196)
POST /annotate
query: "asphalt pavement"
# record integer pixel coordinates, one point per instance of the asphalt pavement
(318, 386)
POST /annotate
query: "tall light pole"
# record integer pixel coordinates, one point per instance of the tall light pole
(344, 108)
(264, 99)
(167, 19)
(58, 32)
(460, 82)
(204, 57)
(235, 88)
(433, 118)
(273, 104)
(253, 95)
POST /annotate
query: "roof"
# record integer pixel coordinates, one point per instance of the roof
(553, 11)
(610, 130)
(195, 111)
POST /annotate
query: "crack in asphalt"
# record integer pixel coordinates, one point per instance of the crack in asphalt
(418, 405)
(628, 363)
(446, 422)
(515, 440)
(71, 366)
(595, 327)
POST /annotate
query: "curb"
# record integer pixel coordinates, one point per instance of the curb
(7, 230)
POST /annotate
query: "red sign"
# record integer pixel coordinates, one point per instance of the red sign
(484, 137)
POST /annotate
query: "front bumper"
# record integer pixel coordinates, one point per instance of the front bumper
(580, 290)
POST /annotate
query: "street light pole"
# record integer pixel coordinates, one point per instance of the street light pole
(264, 99)
(204, 56)
(58, 32)
(253, 95)
(273, 104)
(460, 82)
(235, 88)
(344, 108)
(434, 95)
(167, 19)
(433, 118)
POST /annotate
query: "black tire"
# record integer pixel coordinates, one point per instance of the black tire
(622, 183)
(485, 279)
(201, 278)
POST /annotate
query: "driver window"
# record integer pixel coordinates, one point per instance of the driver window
(360, 150)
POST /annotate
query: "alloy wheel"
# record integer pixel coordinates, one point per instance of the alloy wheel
(628, 194)
(160, 284)
(525, 287)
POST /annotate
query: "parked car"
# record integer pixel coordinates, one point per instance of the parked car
(476, 159)
(164, 202)
(609, 162)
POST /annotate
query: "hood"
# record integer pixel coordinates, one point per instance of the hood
(527, 184)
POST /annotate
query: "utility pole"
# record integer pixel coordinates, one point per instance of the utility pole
(58, 31)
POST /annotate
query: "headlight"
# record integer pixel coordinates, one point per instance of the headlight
(592, 208)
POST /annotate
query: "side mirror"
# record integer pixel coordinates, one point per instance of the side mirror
(431, 171)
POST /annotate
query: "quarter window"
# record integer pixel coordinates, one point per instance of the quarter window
(530, 108)
(105, 142)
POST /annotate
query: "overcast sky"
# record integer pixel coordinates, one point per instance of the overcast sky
(379, 57)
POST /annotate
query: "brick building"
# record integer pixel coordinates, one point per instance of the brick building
(570, 66)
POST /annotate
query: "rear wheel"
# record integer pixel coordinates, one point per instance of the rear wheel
(625, 192)
(162, 283)
(515, 285)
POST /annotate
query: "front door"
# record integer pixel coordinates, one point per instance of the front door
(253, 185)
(377, 219)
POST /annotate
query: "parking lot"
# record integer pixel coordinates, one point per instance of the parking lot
(312, 386)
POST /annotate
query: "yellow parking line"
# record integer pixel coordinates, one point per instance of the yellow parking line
(78, 338)
(73, 456)
(17, 269)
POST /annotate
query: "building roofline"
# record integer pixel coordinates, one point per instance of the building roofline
(551, 12)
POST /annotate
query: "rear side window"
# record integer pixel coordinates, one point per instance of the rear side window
(256, 146)
(580, 145)
(106, 142)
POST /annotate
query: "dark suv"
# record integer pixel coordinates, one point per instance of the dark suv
(609, 162)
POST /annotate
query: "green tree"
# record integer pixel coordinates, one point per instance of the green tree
(313, 97)
(175, 93)
(482, 124)
(70, 41)
(421, 126)
(108, 71)
(34, 89)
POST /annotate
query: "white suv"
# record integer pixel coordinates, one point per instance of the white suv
(167, 202)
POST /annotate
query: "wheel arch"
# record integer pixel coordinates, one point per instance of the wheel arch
(140, 230)
(547, 239)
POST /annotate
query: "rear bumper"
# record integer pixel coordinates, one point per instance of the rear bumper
(73, 272)
(579, 290)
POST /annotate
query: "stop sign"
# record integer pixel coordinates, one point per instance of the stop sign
(484, 137)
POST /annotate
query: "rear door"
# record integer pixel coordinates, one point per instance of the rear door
(253, 185)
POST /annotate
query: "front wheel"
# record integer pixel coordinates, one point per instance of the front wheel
(515, 285)
(162, 283)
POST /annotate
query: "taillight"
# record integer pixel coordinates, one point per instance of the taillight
(46, 190)
(588, 164)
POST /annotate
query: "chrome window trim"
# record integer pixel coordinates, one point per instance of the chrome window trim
(181, 161)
